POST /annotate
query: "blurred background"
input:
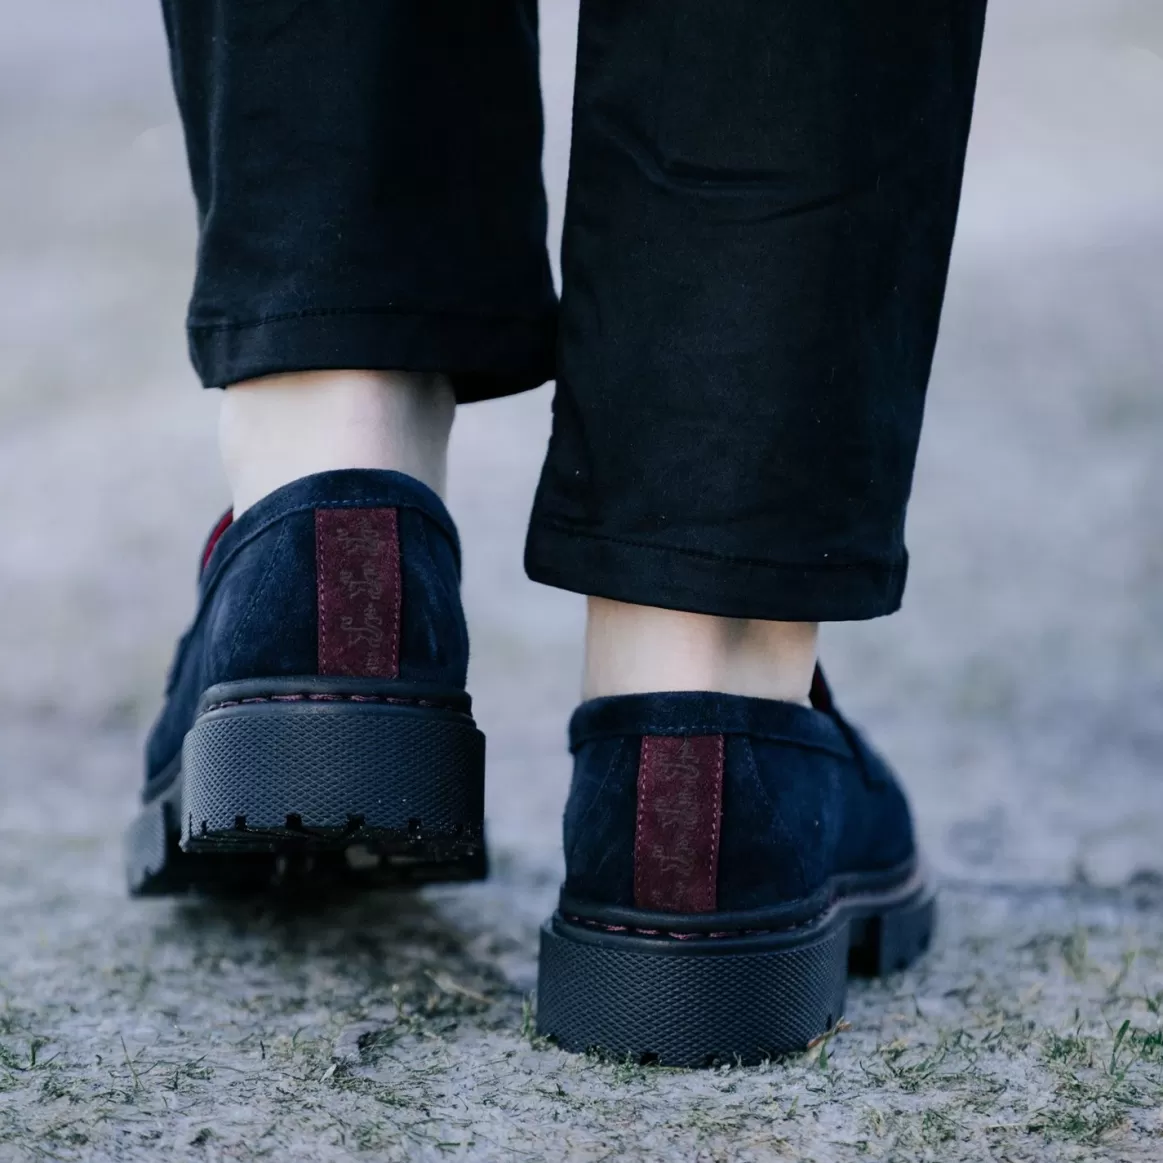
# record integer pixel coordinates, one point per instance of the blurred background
(1021, 690)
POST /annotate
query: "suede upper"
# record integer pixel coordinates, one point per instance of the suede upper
(803, 798)
(257, 611)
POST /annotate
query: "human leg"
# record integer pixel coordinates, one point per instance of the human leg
(762, 204)
(761, 207)
(371, 250)
(368, 185)
(274, 430)
(634, 649)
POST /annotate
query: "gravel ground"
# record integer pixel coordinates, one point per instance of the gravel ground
(1021, 690)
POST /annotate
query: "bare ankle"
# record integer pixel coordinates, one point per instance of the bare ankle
(638, 649)
(279, 428)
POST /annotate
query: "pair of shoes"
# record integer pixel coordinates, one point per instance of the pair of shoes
(729, 861)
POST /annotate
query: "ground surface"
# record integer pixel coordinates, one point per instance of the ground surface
(1021, 691)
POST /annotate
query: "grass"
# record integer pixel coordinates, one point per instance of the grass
(220, 1039)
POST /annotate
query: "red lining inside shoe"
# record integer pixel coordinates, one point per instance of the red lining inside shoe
(224, 523)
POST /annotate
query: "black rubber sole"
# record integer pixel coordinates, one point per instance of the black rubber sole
(316, 781)
(706, 1000)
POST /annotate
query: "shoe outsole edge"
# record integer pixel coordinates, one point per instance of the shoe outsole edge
(361, 794)
(708, 1001)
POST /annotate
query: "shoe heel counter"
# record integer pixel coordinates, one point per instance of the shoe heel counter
(344, 591)
(262, 618)
(688, 824)
(643, 824)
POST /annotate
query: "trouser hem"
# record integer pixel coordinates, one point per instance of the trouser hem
(485, 357)
(681, 579)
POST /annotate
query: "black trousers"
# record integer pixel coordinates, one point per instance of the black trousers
(761, 206)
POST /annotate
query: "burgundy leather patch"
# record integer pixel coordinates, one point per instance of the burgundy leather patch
(357, 556)
(680, 807)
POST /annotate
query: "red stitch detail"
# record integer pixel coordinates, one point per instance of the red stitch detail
(677, 830)
(716, 821)
(324, 698)
(357, 558)
(640, 827)
(681, 935)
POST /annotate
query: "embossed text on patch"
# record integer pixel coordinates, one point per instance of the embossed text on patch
(676, 841)
(357, 553)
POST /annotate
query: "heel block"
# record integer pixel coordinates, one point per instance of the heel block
(688, 1002)
(710, 994)
(332, 772)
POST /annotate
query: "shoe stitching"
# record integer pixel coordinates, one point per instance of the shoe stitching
(640, 822)
(681, 935)
(256, 593)
(776, 815)
(320, 594)
(387, 700)
(686, 935)
(596, 798)
(396, 559)
(713, 857)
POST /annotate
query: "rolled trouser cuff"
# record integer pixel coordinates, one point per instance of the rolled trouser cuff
(702, 583)
(485, 356)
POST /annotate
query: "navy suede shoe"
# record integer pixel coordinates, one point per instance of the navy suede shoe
(315, 715)
(728, 862)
